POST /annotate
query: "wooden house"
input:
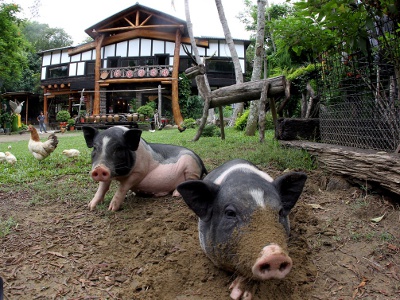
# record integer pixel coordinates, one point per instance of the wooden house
(136, 57)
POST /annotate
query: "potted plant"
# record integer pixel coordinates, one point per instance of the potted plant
(62, 117)
(71, 124)
(82, 116)
(6, 119)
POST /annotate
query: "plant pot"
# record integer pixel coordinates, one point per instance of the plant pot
(71, 128)
(103, 118)
(109, 118)
(63, 124)
(129, 117)
(97, 119)
(91, 119)
(135, 117)
(116, 118)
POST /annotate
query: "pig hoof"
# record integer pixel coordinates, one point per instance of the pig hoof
(113, 207)
(176, 194)
(241, 289)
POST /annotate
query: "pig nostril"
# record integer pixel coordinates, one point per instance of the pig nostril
(283, 266)
(265, 267)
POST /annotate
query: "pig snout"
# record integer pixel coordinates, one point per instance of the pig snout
(273, 263)
(100, 173)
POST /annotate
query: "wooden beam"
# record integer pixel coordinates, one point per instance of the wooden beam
(145, 21)
(175, 75)
(97, 66)
(247, 91)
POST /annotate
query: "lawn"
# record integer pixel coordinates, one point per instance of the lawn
(212, 150)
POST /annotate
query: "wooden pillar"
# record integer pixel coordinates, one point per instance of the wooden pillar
(159, 100)
(26, 110)
(175, 78)
(96, 102)
(45, 108)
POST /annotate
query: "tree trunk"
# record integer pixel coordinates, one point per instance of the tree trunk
(235, 58)
(251, 125)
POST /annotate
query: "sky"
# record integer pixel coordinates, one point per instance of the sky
(74, 16)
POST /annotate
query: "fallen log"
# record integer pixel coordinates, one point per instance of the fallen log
(247, 91)
(370, 166)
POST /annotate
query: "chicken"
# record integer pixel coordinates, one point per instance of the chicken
(40, 150)
(16, 106)
(10, 158)
(71, 153)
(2, 156)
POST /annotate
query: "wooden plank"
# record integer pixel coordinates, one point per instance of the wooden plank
(369, 166)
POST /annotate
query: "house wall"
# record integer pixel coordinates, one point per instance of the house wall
(139, 47)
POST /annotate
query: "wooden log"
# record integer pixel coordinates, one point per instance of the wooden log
(370, 166)
(195, 70)
(247, 91)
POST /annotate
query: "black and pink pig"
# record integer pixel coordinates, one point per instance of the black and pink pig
(243, 221)
(121, 154)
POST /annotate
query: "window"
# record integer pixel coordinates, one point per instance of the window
(129, 62)
(220, 66)
(90, 68)
(57, 71)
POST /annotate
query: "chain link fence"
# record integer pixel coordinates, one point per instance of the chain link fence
(360, 101)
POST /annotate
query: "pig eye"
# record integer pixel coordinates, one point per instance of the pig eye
(230, 213)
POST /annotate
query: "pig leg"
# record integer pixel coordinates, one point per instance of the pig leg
(123, 188)
(99, 196)
(242, 290)
(191, 171)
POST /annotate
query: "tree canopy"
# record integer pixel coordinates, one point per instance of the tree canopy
(13, 46)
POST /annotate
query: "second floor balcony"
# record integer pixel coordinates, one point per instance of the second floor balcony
(147, 71)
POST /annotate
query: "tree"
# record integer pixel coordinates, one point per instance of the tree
(257, 66)
(42, 37)
(12, 46)
(235, 58)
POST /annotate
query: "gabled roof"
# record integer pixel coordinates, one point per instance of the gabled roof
(137, 17)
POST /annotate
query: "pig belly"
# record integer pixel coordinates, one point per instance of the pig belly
(164, 179)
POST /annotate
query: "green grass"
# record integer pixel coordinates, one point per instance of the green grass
(212, 150)
(6, 226)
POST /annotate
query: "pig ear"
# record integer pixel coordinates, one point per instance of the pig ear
(132, 138)
(199, 196)
(290, 187)
(89, 134)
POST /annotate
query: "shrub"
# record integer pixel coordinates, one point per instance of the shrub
(241, 122)
(146, 110)
(189, 123)
(63, 116)
(211, 130)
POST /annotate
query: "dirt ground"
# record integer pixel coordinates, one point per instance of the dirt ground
(150, 249)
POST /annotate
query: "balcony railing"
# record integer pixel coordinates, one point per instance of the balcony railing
(136, 72)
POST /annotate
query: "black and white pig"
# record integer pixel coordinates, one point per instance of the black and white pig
(121, 154)
(243, 221)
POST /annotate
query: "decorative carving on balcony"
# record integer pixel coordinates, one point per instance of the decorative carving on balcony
(136, 72)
